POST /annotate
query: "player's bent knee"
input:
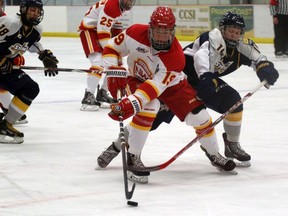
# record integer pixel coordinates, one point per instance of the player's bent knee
(201, 118)
(230, 100)
(29, 92)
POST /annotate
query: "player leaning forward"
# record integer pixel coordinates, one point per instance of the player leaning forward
(19, 34)
(155, 63)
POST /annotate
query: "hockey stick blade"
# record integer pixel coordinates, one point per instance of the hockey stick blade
(199, 136)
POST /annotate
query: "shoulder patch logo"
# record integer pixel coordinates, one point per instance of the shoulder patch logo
(142, 50)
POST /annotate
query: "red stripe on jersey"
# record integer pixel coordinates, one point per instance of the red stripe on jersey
(174, 60)
(112, 8)
(143, 120)
(139, 32)
(103, 35)
(148, 90)
(109, 51)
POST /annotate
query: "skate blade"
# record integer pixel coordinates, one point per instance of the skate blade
(242, 163)
(25, 121)
(86, 107)
(137, 179)
(11, 140)
(232, 172)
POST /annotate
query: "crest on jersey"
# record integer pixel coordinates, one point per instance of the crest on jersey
(141, 70)
(19, 48)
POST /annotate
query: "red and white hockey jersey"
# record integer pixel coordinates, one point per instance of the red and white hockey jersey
(158, 70)
(101, 17)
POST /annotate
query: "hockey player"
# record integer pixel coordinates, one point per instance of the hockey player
(95, 31)
(155, 61)
(212, 55)
(5, 96)
(2, 13)
(19, 34)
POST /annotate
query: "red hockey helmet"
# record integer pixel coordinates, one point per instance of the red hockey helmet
(162, 28)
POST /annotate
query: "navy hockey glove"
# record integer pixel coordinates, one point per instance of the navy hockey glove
(266, 71)
(49, 61)
(5, 66)
(208, 85)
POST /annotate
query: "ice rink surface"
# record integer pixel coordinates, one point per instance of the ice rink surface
(53, 172)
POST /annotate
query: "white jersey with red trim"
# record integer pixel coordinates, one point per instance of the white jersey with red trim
(158, 69)
(101, 17)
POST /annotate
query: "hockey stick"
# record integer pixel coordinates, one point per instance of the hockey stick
(128, 193)
(199, 136)
(114, 73)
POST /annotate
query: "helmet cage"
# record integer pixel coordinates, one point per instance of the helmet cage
(161, 38)
(23, 12)
(126, 5)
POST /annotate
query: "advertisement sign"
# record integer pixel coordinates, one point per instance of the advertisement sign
(193, 20)
(216, 12)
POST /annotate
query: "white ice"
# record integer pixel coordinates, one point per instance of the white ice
(53, 172)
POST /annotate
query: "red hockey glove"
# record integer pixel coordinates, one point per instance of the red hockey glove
(126, 108)
(116, 80)
(19, 60)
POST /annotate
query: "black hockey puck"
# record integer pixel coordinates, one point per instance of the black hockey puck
(132, 203)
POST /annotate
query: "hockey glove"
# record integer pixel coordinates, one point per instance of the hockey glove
(5, 66)
(126, 108)
(117, 81)
(207, 85)
(266, 71)
(49, 61)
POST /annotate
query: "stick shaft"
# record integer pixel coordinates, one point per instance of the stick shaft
(199, 136)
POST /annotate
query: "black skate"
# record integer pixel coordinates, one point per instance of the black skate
(221, 163)
(22, 120)
(103, 98)
(89, 102)
(136, 176)
(107, 156)
(233, 150)
(9, 135)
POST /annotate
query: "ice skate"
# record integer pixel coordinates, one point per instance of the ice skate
(233, 150)
(9, 135)
(89, 102)
(136, 176)
(22, 120)
(107, 156)
(221, 163)
(104, 98)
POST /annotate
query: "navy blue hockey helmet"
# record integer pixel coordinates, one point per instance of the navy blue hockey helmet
(232, 19)
(25, 4)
